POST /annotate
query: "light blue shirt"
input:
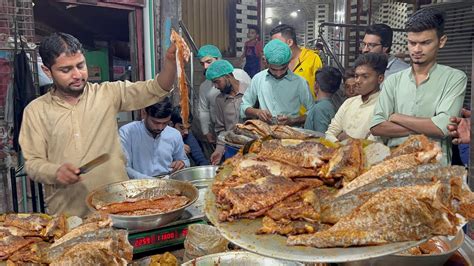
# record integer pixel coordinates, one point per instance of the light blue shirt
(395, 65)
(280, 97)
(148, 156)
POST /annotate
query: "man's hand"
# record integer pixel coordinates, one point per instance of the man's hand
(177, 165)
(210, 138)
(216, 157)
(171, 52)
(284, 120)
(393, 117)
(460, 131)
(67, 174)
(264, 115)
(187, 149)
(465, 113)
(342, 136)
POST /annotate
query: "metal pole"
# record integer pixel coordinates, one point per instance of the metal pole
(470, 180)
(33, 195)
(262, 21)
(14, 190)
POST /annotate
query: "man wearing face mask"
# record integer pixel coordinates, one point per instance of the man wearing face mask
(279, 91)
(227, 102)
(304, 62)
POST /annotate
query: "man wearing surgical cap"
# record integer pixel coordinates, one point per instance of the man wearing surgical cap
(207, 94)
(304, 62)
(227, 102)
(279, 92)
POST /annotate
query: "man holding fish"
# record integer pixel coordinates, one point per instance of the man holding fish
(76, 121)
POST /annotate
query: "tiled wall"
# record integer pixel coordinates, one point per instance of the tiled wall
(395, 14)
(246, 15)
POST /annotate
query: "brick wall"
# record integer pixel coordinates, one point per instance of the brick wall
(246, 15)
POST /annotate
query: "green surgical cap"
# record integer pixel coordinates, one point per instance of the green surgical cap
(218, 69)
(209, 50)
(277, 52)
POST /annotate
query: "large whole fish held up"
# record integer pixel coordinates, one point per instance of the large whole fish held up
(182, 56)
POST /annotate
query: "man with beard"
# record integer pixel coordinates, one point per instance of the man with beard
(151, 146)
(207, 54)
(279, 92)
(378, 39)
(75, 122)
(421, 99)
(227, 102)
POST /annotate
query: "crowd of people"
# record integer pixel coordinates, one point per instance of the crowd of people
(387, 100)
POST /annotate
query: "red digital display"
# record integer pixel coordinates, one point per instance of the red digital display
(156, 238)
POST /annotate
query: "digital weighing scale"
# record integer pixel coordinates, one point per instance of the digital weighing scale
(168, 235)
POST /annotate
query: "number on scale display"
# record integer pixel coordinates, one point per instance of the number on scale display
(156, 238)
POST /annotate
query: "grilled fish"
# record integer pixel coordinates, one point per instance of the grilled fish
(258, 127)
(392, 165)
(286, 132)
(335, 208)
(414, 143)
(289, 227)
(31, 222)
(146, 206)
(34, 253)
(15, 231)
(347, 162)
(237, 139)
(307, 154)
(269, 167)
(392, 215)
(11, 244)
(255, 196)
(113, 240)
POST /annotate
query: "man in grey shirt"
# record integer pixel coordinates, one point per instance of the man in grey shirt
(220, 73)
(378, 39)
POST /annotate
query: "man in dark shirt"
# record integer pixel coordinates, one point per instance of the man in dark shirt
(191, 145)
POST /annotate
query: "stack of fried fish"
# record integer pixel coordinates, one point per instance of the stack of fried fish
(320, 194)
(257, 129)
(42, 239)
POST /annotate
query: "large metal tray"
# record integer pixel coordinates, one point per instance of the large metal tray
(242, 233)
(238, 258)
(120, 191)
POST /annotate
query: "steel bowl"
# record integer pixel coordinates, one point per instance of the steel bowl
(199, 176)
(454, 244)
(239, 258)
(120, 191)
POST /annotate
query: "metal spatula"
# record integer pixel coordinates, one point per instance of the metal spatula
(94, 163)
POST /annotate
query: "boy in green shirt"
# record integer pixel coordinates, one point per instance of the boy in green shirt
(328, 81)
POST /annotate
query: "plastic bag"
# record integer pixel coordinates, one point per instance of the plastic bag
(203, 240)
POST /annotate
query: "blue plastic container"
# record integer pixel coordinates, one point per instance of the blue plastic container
(230, 151)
